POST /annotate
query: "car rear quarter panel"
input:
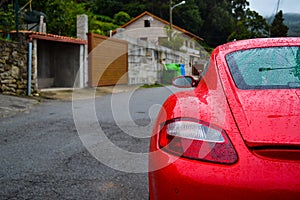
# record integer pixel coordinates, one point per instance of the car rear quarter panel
(251, 177)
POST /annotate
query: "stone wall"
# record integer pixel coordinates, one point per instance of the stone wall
(145, 60)
(13, 66)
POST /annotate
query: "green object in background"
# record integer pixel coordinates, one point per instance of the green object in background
(173, 66)
(171, 71)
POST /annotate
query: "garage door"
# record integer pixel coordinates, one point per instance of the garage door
(108, 61)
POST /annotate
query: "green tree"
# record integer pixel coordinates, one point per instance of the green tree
(102, 24)
(239, 8)
(106, 7)
(252, 25)
(214, 20)
(278, 28)
(134, 8)
(121, 18)
(7, 20)
(219, 24)
(188, 17)
(101, 27)
(62, 16)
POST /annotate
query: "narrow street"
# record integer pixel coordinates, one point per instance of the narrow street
(43, 157)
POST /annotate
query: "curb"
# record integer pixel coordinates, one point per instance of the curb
(66, 94)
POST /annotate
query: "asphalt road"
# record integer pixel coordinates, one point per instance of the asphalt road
(44, 154)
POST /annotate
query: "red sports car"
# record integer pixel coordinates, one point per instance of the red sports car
(237, 134)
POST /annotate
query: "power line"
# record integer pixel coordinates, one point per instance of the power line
(275, 11)
(277, 8)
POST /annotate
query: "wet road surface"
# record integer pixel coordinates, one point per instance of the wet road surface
(43, 157)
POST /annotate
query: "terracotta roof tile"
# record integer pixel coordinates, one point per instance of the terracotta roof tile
(52, 37)
(163, 21)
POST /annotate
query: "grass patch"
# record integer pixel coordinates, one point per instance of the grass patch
(152, 85)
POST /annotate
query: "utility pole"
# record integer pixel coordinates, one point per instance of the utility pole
(17, 15)
(277, 8)
(170, 14)
(171, 10)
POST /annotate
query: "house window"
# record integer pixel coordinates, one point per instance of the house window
(146, 23)
(144, 38)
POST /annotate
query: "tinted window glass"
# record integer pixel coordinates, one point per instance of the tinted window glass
(265, 68)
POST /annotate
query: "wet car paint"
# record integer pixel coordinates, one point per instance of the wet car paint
(268, 164)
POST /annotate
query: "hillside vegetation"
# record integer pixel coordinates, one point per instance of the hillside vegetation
(217, 21)
(293, 22)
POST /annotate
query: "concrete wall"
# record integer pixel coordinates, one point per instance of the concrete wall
(146, 61)
(82, 31)
(58, 63)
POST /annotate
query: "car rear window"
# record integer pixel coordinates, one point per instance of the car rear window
(266, 68)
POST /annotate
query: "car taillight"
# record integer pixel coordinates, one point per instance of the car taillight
(195, 139)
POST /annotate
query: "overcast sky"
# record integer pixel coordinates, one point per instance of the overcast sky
(268, 7)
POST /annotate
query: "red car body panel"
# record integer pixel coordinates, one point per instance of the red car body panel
(268, 123)
(264, 131)
(266, 112)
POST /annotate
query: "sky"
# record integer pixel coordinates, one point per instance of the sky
(267, 8)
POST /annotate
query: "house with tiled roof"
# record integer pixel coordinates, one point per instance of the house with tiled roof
(147, 34)
(150, 27)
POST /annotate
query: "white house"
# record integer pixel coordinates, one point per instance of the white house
(147, 53)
